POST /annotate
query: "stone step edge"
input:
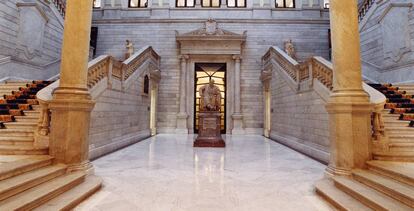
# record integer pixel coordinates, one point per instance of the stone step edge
(368, 196)
(337, 198)
(20, 183)
(399, 191)
(41, 194)
(15, 168)
(75, 196)
(399, 176)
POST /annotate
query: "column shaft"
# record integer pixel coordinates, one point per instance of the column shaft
(345, 42)
(182, 117)
(75, 48)
(237, 107)
(183, 77)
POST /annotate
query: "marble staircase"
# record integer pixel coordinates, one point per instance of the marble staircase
(384, 185)
(33, 181)
(29, 179)
(17, 138)
(399, 142)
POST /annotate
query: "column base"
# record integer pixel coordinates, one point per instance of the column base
(69, 135)
(238, 127)
(182, 127)
(86, 167)
(331, 171)
(349, 131)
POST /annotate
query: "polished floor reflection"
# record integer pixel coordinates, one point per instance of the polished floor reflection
(166, 173)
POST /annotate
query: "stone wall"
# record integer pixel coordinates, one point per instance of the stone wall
(30, 39)
(387, 41)
(299, 120)
(119, 118)
(307, 28)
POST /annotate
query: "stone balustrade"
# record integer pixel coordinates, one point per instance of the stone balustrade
(61, 6)
(303, 77)
(364, 8)
(322, 70)
(102, 67)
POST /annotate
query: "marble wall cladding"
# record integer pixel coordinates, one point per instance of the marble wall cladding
(119, 119)
(299, 120)
(387, 41)
(310, 38)
(30, 39)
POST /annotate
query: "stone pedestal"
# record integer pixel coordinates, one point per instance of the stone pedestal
(238, 128)
(209, 134)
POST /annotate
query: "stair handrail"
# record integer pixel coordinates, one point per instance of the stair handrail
(320, 69)
(364, 8)
(60, 6)
(131, 64)
(99, 69)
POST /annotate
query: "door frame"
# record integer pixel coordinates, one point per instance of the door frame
(225, 97)
(190, 83)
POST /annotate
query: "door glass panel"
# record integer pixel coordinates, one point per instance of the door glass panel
(204, 73)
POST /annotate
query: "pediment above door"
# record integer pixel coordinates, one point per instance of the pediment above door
(211, 40)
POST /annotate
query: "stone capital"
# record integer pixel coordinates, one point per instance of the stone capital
(237, 57)
(184, 57)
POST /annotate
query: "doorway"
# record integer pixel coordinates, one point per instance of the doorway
(204, 72)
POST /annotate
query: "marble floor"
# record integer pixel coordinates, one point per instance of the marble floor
(166, 173)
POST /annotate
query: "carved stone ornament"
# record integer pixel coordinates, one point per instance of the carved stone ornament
(211, 29)
(32, 24)
(396, 31)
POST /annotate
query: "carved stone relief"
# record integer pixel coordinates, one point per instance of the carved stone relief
(32, 24)
(395, 30)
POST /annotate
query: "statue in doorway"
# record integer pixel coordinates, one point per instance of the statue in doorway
(129, 49)
(290, 49)
(210, 97)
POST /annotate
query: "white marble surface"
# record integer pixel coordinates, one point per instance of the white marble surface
(166, 173)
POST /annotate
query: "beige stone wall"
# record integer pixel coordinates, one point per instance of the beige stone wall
(119, 118)
(299, 120)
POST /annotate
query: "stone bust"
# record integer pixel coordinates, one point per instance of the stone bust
(129, 49)
(290, 49)
(210, 97)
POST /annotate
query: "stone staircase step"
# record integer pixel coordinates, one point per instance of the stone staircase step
(400, 171)
(336, 197)
(23, 150)
(396, 123)
(16, 132)
(26, 118)
(401, 137)
(40, 194)
(20, 183)
(73, 197)
(16, 141)
(368, 196)
(399, 191)
(18, 82)
(402, 156)
(401, 147)
(20, 125)
(21, 166)
(31, 113)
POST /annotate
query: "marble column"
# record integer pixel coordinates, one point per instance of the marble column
(237, 115)
(182, 116)
(349, 106)
(72, 104)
